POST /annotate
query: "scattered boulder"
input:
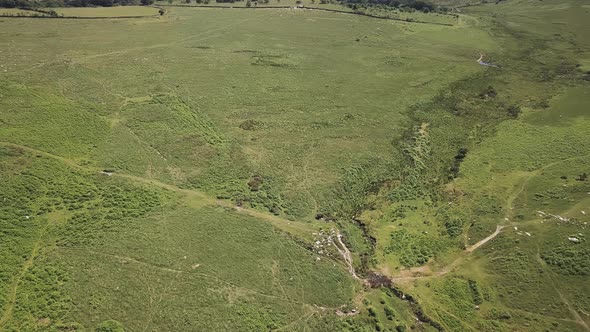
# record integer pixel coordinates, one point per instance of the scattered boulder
(573, 239)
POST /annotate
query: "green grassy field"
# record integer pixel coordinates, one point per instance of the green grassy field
(108, 11)
(310, 5)
(15, 12)
(528, 176)
(220, 130)
(271, 3)
(174, 173)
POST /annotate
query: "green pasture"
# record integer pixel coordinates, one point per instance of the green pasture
(17, 12)
(256, 4)
(108, 11)
(175, 172)
(94, 12)
(311, 5)
(166, 108)
(528, 175)
(532, 275)
(83, 248)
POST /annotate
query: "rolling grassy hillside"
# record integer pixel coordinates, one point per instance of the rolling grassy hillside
(527, 176)
(166, 173)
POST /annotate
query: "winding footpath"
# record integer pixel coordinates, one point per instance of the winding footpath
(275, 220)
(12, 295)
(346, 255)
(486, 240)
(194, 195)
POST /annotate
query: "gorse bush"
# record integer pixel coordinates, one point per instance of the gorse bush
(475, 292)
(421, 5)
(110, 326)
(570, 259)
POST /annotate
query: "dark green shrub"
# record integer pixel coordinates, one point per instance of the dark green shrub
(389, 313)
(514, 111)
(475, 292)
(110, 326)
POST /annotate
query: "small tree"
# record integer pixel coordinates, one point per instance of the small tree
(514, 111)
(248, 3)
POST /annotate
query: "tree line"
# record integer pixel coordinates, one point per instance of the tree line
(421, 5)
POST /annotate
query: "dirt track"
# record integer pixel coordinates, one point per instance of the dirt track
(275, 220)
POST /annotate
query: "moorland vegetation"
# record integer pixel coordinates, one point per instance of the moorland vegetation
(293, 169)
